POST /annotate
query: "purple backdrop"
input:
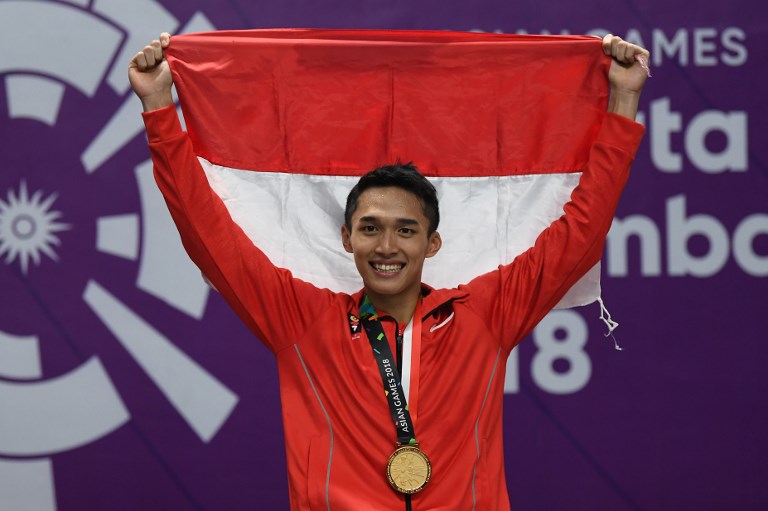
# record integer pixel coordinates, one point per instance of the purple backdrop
(125, 384)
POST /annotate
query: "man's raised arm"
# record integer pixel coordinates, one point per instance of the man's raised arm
(537, 279)
(260, 293)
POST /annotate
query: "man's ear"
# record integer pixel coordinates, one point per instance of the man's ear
(434, 243)
(345, 240)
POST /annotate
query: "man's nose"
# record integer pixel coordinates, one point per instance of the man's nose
(387, 243)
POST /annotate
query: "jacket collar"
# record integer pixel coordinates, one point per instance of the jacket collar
(431, 298)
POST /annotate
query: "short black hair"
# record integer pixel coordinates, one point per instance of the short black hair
(400, 175)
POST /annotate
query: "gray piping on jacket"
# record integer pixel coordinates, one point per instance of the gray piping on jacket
(330, 427)
(477, 426)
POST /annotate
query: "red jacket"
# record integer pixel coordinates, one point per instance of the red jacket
(338, 430)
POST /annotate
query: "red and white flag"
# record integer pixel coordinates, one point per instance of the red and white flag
(285, 121)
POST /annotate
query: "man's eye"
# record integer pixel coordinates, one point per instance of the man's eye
(406, 230)
(368, 228)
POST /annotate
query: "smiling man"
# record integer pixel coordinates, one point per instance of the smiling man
(392, 396)
(390, 226)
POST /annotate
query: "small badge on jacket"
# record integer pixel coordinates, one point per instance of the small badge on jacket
(354, 326)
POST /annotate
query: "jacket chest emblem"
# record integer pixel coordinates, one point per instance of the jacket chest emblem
(354, 326)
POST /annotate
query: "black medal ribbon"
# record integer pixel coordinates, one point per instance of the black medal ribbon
(390, 375)
(390, 378)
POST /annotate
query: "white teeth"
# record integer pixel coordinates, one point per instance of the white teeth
(388, 267)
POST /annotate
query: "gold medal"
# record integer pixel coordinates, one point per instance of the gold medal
(408, 469)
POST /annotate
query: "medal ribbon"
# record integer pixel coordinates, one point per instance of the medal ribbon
(412, 361)
(402, 415)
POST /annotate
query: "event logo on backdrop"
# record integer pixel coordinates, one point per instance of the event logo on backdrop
(38, 416)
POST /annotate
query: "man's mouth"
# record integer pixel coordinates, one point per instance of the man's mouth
(388, 268)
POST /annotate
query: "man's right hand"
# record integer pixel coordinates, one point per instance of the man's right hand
(150, 75)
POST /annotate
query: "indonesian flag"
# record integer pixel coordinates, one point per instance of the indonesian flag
(285, 121)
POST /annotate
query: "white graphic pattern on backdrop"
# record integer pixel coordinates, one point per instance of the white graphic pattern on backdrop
(42, 417)
(28, 227)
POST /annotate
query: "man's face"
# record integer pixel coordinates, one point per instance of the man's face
(389, 240)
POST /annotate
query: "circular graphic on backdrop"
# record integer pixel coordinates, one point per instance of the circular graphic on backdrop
(64, 205)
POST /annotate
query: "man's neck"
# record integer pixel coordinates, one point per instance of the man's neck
(399, 306)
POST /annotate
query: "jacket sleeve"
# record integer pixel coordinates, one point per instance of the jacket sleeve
(272, 303)
(514, 298)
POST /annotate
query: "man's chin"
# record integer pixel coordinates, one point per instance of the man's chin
(383, 286)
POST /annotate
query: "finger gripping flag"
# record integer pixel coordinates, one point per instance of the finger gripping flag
(285, 121)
